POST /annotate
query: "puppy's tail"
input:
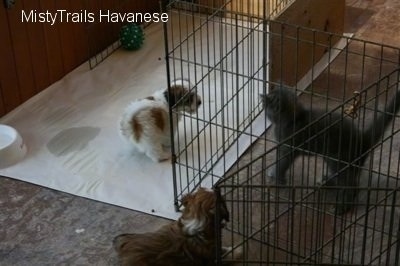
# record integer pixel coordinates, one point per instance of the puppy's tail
(120, 241)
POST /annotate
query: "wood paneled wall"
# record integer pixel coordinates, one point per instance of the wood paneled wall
(35, 55)
(294, 51)
(255, 8)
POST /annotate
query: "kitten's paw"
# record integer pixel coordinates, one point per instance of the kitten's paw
(232, 253)
(238, 253)
(321, 180)
(346, 201)
(271, 172)
(272, 178)
(339, 210)
(343, 208)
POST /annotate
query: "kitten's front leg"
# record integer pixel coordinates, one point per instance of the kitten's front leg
(347, 196)
(271, 172)
(284, 159)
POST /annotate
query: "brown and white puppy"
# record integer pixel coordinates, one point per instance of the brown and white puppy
(188, 241)
(145, 122)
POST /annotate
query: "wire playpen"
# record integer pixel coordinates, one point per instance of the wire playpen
(233, 58)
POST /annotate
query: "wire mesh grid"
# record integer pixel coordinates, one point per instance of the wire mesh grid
(296, 223)
(101, 46)
(233, 58)
(212, 51)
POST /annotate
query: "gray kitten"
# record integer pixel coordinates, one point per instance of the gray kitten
(343, 145)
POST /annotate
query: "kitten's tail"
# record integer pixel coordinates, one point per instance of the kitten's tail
(376, 130)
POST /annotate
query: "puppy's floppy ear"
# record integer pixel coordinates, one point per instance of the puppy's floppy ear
(175, 93)
(222, 204)
(166, 95)
(186, 199)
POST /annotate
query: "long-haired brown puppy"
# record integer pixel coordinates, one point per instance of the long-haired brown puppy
(188, 241)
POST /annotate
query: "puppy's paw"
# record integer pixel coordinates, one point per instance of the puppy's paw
(159, 157)
(164, 156)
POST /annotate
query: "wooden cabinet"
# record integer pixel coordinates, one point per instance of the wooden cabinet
(34, 55)
(295, 51)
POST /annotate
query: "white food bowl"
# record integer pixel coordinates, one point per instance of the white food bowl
(12, 147)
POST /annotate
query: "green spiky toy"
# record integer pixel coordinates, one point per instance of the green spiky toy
(131, 36)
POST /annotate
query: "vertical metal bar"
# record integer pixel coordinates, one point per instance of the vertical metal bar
(265, 51)
(217, 226)
(393, 203)
(397, 255)
(209, 30)
(184, 121)
(163, 7)
(192, 47)
(236, 84)
(222, 86)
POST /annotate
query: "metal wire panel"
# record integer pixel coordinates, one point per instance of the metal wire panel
(295, 223)
(103, 38)
(212, 51)
(232, 56)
